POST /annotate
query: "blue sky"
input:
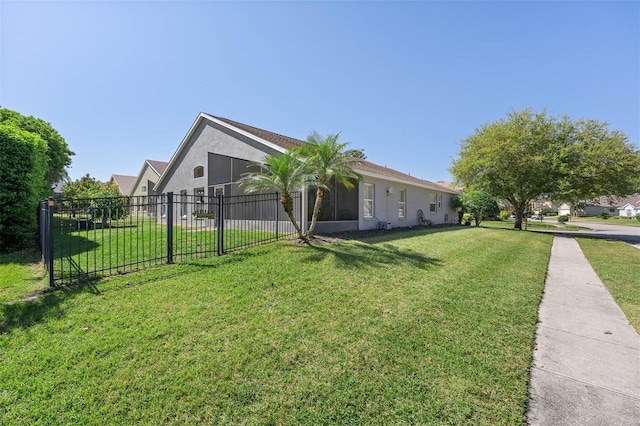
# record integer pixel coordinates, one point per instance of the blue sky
(406, 81)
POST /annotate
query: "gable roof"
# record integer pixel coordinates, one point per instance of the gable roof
(157, 166)
(125, 183)
(283, 143)
(615, 201)
(277, 139)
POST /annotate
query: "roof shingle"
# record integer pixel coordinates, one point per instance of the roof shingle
(287, 142)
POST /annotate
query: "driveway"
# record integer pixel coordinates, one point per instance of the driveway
(628, 234)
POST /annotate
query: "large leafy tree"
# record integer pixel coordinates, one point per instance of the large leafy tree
(328, 160)
(101, 200)
(597, 162)
(481, 205)
(530, 155)
(58, 152)
(285, 174)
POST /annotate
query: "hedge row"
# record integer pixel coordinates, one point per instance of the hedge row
(23, 162)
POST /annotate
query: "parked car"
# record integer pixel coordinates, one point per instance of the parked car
(536, 217)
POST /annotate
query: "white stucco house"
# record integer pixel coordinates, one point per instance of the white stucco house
(216, 152)
(143, 188)
(630, 206)
(615, 206)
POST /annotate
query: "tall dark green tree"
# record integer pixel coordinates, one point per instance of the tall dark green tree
(530, 155)
(58, 152)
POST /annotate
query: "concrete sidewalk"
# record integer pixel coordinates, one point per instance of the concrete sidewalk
(586, 368)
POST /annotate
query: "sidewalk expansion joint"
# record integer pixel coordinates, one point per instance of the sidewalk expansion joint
(564, 376)
(588, 337)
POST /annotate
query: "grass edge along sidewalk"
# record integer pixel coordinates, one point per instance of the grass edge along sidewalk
(421, 327)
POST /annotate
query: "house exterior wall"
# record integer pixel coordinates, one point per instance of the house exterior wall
(628, 211)
(146, 175)
(386, 205)
(209, 137)
(564, 210)
(596, 210)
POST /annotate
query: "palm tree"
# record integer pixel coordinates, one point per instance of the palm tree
(284, 173)
(328, 159)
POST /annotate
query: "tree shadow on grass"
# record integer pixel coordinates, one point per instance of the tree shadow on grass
(40, 306)
(376, 236)
(362, 255)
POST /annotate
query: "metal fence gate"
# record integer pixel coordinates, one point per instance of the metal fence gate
(83, 239)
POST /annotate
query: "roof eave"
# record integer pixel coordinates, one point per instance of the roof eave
(406, 182)
(195, 125)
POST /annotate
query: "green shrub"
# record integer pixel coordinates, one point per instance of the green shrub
(604, 215)
(24, 162)
(504, 214)
(638, 217)
(563, 219)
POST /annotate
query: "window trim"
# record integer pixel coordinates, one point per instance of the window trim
(439, 202)
(433, 203)
(372, 200)
(402, 203)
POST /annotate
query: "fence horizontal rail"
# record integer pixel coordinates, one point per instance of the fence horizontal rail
(96, 237)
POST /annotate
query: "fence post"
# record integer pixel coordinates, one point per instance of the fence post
(49, 238)
(299, 197)
(169, 227)
(220, 198)
(277, 210)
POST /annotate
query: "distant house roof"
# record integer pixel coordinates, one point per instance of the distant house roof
(158, 166)
(615, 201)
(284, 143)
(125, 183)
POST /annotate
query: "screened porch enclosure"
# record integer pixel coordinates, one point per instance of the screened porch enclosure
(339, 208)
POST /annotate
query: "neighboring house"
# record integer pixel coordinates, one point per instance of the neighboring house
(125, 183)
(630, 206)
(564, 209)
(624, 207)
(143, 188)
(216, 152)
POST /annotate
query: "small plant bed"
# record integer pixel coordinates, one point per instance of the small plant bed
(416, 327)
(618, 266)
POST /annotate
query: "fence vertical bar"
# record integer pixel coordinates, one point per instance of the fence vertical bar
(170, 227)
(277, 210)
(49, 238)
(220, 224)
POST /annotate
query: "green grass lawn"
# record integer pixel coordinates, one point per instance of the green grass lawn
(421, 327)
(614, 220)
(618, 266)
(21, 274)
(128, 245)
(533, 225)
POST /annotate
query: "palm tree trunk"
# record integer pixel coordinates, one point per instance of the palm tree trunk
(316, 210)
(287, 203)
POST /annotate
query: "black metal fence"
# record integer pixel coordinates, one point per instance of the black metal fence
(88, 238)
